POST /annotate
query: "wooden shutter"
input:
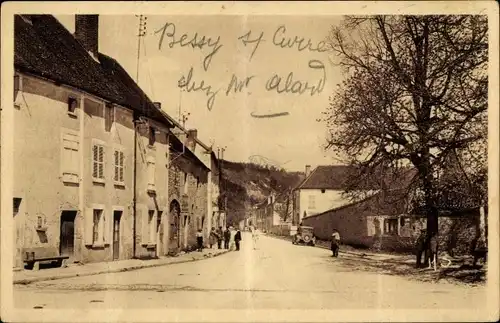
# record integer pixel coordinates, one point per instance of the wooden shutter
(122, 166)
(88, 220)
(108, 220)
(101, 161)
(95, 159)
(116, 166)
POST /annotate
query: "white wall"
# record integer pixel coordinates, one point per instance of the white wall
(323, 201)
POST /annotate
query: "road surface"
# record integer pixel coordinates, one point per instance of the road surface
(277, 275)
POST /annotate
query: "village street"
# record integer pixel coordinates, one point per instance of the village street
(278, 275)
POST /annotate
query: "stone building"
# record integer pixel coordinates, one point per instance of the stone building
(77, 172)
(188, 186)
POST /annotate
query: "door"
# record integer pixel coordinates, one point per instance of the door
(159, 233)
(67, 234)
(117, 215)
(174, 233)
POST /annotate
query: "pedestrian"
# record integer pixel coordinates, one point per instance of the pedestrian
(220, 237)
(255, 237)
(420, 248)
(433, 250)
(213, 238)
(227, 236)
(237, 240)
(232, 236)
(199, 240)
(335, 244)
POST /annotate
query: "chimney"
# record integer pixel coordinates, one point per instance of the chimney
(87, 32)
(157, 105)
(308, 170)
(191, 139)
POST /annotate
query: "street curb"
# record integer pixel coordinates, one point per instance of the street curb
(28, 281)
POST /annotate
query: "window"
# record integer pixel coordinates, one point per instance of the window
(109, 116)
(391, 226)
(152, 136)
(70, 158)
(98, 227)
(98, 162)
(17, 204)
(72, 103)
(152, 226)
(312, 202)
(185, 183)
(323, 191)
(119, 162)
(151, 173)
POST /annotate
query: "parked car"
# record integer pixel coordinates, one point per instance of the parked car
(304, 235)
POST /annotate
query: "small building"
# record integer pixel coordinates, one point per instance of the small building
(321, 190)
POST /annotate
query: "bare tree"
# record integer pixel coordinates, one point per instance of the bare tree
(415, 92)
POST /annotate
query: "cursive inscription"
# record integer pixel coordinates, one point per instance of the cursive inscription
(194, 41)
(245, 39)
(189, 85)
(281, 40)
(296, 86)
(236, 85)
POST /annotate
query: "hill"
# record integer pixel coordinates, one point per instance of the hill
(248, 184)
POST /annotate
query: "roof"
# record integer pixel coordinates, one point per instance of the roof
(333, 177)
(344, 177)
(177, 146)
(390, 202)
(44, 47)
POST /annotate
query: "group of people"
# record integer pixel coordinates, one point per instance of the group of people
(231, 238)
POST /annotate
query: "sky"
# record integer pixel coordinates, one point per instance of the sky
(247, 49)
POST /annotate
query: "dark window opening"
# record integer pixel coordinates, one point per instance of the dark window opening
(72, 103)
(323, 191)
(152, 136)
(17, 204)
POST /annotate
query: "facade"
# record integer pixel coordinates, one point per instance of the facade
(94, 156)
(188, 195)
(321, 190)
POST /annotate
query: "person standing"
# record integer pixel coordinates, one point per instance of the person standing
(335, 244)
(237, 240)
(420, 247)
(255, 237)
(199, 240)
(212, 239)
(220, 237)
(227, 236)
(232, 235)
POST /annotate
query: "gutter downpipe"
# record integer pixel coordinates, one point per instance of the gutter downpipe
(134, 201)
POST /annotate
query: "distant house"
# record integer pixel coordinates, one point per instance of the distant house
(322, 190)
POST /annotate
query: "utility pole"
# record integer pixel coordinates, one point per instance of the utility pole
(184, 118)
(142, 33)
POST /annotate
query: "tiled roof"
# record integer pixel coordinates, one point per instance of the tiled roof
(344, 177)
(333, 177)
(45, 48)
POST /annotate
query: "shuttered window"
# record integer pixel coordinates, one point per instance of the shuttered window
(70, 158)
(119, 158)
(98, 161)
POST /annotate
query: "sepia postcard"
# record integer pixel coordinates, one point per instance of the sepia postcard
(240, 161)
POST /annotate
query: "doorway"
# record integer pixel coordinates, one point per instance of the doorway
(174, 233)
(67, 235)
(117, 215)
